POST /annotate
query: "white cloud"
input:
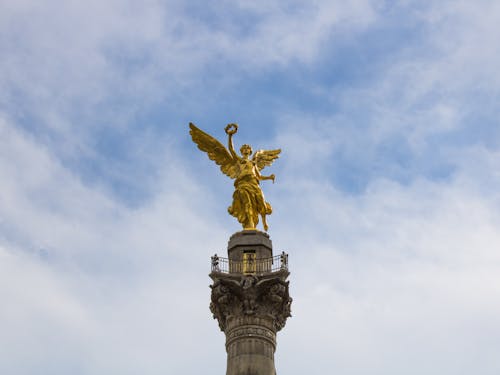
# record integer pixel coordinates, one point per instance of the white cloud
(432, 85)
(393, 275)
(402, 278)
(296, 32)
(93, 53)
(92, 286)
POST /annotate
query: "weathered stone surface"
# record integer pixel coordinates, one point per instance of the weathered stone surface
(236, 295)
(250, 309)
(249, 239)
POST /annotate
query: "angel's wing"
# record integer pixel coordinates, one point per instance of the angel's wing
(267, 283)
(215, 150)
(263, 158)
(233, 285)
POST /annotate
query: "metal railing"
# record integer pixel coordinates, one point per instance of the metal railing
(250, 266)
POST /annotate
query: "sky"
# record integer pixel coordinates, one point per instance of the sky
(386, 195)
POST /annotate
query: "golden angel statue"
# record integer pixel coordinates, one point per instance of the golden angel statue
(248, 198)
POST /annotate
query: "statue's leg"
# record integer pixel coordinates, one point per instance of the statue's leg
(249, 222)
(264, 222)
(255, 218)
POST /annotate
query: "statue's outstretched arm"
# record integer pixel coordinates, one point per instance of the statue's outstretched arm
(261, 177)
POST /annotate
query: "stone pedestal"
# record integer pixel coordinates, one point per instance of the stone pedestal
(251, 302)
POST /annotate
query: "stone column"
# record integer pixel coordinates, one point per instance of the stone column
(251, 302)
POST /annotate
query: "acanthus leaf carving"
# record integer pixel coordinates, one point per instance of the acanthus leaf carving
(251, 295)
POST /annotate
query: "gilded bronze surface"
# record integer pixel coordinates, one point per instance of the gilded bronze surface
(248, 199)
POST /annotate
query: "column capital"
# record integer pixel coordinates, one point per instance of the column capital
(239, 296)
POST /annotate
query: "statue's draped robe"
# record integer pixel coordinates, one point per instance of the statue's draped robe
(248, 201)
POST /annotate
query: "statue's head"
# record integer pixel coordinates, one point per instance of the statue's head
(246, 150)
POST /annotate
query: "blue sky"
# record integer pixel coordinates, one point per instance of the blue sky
(386, 195)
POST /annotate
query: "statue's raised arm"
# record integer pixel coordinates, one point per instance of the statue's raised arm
(248, 198)
(231, 130)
